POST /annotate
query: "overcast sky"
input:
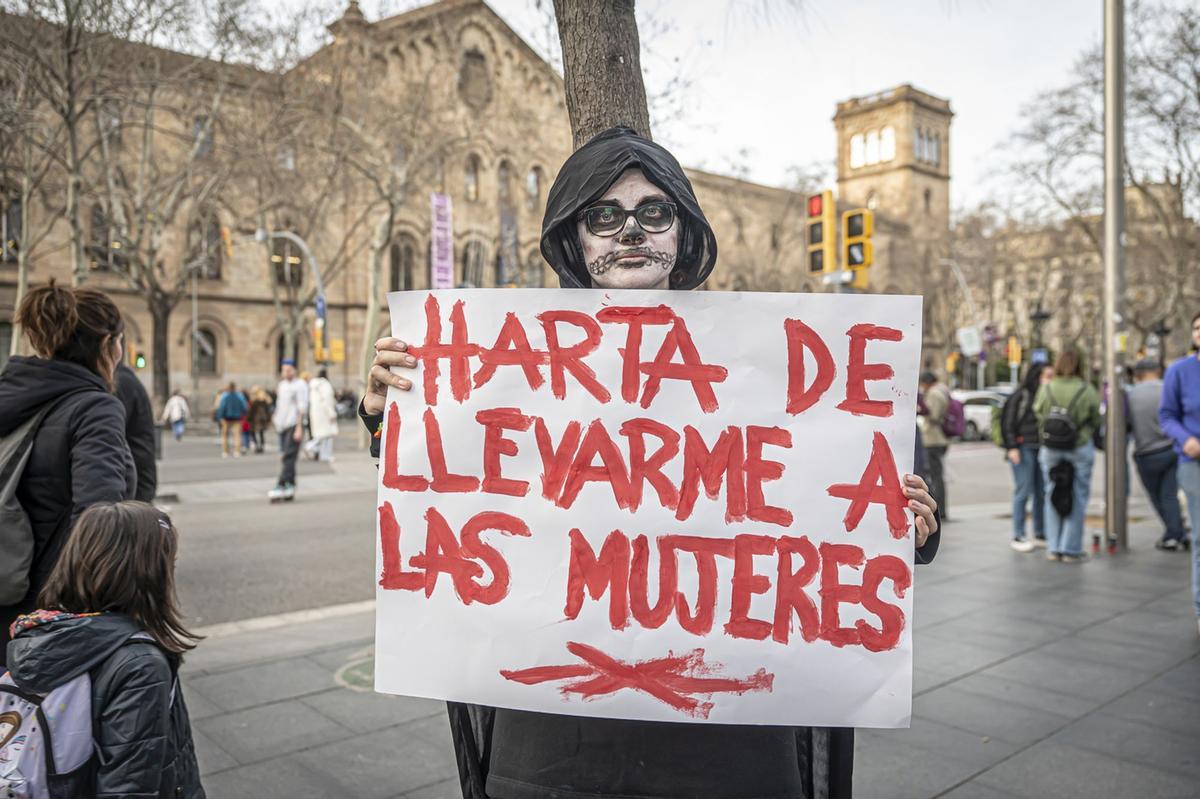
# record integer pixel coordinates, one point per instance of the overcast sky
(766, 75)
(766, 83)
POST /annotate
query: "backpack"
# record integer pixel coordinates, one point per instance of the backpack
(16, 531)
(47, 744)
(954, 421)
(1059, 430)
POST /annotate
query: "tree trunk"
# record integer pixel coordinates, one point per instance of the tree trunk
(379, 246)
(22, 258)
(74, 216)
(160, 363)
(601, 67)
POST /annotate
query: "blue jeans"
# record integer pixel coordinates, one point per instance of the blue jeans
(1065, 536)
(1028, 487)
(1189, 479)
(177, 428)
(1158, 473)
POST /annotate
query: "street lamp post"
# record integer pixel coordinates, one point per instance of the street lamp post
(1039, 318)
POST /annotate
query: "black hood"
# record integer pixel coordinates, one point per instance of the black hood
(584, 178)
(57, 650)
(29, 383)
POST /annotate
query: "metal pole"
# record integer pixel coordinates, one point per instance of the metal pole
(1115, 511)
(195, 341)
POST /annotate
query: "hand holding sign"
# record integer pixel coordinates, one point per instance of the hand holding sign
(682, 504)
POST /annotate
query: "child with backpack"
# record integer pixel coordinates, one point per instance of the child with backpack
(91, 706)
(1068, 412)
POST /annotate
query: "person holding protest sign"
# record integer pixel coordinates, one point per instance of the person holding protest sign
(623, 215)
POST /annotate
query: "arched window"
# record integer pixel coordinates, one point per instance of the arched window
(105, 247)
(472, 265)
(857, 155)
(535, 271)
(401, 257)
(471, 178)
(206, 352)
(872, 147)
(533, 189)
(205, 248)
(288, 263)
(504, 183)
(474, 82)
(887, 143)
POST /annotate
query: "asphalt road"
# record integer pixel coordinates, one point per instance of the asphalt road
(242, 557)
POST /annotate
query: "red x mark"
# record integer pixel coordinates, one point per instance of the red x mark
(668, 679)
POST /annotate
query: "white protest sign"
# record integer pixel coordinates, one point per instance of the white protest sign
(679, 506)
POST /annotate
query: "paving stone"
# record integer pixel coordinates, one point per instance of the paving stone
(956, 657)
(381, 764)
(450, 789)
(367, 711)
(1143, 659)
(927, 679)
(272, 730)
(264, 683)
(1077, 677)
(987, 716)
(1027, 694)
(1173, 631)
(976, 790)
(281, 777)
(1179, 681)
(988, 629)
(886, 768)
(1164, 711)
(245, 649)
(211, 757)
(334, 659)
(1066, 772)
(1130, 740)
(199, 706)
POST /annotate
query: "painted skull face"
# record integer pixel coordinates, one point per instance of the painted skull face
(630, 235)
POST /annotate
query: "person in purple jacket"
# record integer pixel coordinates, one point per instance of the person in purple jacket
(1179, 415)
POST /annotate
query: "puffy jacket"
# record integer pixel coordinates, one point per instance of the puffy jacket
(1018, 422)
(79, 456)
(139, 431)
(143, 735)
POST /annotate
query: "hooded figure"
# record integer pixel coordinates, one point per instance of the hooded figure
(584, 179)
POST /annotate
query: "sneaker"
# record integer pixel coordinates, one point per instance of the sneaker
(1080, 558)
(1168, 545)
(289, 492)
(275, 494)
(1021, 545)
(1039, 541)
(1053, 556)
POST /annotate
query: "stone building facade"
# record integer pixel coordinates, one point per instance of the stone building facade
(492, 130)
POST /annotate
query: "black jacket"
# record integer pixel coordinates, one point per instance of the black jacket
(143, 735)
(79, 456)
(139, 430)
(1018, 423)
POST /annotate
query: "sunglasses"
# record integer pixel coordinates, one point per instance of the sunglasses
(609, 220)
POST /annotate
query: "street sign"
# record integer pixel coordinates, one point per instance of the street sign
(969, 341)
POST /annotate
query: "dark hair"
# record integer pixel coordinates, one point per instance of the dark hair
(927, 378)
(323, 373)
(70, 324)
(120, 556)
(1067, 363)
(1033, 378)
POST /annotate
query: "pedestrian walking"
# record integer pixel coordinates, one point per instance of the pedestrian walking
(231, 409)
(1022, 443)
(103, 654)
(176, 413)
(624, 197)
(1068, 411)
(291, 406)
(1179, 415)
(140, 430)
(77, 456)
(1154, 454)
(937, 400)
(259, 417)
(322, 418)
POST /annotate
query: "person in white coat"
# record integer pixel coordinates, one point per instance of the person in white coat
(176, 413)
(322, 418)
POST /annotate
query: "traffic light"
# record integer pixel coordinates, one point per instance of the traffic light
(136, 358)
(857, 251)
(822, 230)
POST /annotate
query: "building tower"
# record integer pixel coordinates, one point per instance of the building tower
(894, 158)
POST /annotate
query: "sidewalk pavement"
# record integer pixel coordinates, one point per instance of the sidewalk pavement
(1033, 679)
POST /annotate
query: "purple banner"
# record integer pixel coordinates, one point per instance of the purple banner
(441, 242)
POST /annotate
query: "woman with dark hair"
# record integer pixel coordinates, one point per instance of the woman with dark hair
(1019, 428)
(79, 455)
(622, 215)
(108, 610)
(1068, 412)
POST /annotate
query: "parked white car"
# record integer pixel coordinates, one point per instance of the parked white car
(977, 407)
